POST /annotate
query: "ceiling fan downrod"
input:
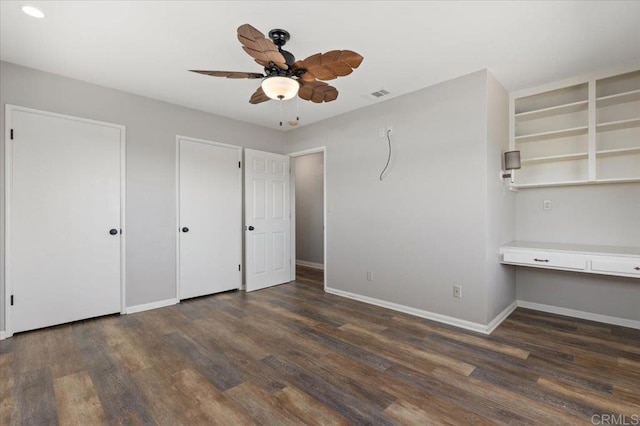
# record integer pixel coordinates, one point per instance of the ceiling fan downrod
(280, 38)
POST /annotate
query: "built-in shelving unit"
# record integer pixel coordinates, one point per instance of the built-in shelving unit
(578, 132)
(618, 127)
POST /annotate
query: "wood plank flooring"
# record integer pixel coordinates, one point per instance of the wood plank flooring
(295, 355)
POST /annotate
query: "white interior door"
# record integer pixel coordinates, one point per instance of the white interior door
(267, 219)
(210, 218)
(64, 212)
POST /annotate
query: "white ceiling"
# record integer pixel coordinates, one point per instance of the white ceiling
(145, 47)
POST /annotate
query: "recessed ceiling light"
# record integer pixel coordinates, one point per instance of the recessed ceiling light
(32, 11)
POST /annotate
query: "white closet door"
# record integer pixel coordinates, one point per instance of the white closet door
(267, 219)
(210, 222)
(64, 219)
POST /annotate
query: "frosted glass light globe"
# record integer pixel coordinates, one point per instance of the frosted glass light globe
(280, 88)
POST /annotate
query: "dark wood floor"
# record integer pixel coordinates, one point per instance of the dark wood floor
(293, 354)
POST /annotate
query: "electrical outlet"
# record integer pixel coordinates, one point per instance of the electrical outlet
(389, 130)
(369, 276)
(381, 132)
(546, 205)
(457, 291)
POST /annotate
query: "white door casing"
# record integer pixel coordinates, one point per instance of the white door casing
(64, 215)
(323, 150)
(210, 210)
(267, 211)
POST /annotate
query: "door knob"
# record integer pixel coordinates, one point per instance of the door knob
(251, 228)
(185, 229)
(113, 231)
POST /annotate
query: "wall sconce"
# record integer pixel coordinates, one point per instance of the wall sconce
(511, 163)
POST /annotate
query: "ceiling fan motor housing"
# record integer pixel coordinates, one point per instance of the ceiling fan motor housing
(279, 37)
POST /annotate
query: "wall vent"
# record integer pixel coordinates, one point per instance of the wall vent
(380, 93)
(377, 94)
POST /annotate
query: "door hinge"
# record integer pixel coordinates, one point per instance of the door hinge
(239, 165)
(239, 268)
(11, 134)
(12, 300)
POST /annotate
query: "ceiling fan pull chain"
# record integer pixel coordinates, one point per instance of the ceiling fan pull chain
(280, 113)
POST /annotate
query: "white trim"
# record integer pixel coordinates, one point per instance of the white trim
(310, 264)
(8, 154)
(324, 214)
(3, 335)
(606, 319)
(591, 132)
(240, 207)
(308, 151)
(580, 79)
(123, 221)
(292, 220)
(445, 319)
(152, 305)
(177, 225)
(8, 285)
(208, 142)
(501, 317)
(322, 149)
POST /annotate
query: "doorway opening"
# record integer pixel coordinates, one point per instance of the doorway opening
(308, 217)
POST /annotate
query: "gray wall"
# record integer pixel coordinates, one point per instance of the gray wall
(423, 228)
(151, 130)
(309, 181)
(597, 214)
(501, 215)
(435, 221)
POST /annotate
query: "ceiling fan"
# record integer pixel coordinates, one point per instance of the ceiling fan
(284, 77)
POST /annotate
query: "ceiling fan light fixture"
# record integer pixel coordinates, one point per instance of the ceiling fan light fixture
(280, 88)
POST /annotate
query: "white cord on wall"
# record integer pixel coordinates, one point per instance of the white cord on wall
(389, 157)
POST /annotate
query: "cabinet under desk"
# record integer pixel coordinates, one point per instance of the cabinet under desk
(590, 259)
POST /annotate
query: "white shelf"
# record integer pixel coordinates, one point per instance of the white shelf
(619, 180)
(618, 98)
(574, 183)
(617, 125)
(574, 131)
(554, 110)
(547, 184)
(616, 152)
(553, 158)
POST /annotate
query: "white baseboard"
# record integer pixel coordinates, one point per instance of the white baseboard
(624, 322)
(310, 264)
(149, 306)
(501, 317)
(3, 335)
(445, 319)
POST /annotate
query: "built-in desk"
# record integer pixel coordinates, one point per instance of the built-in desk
(605, 260)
